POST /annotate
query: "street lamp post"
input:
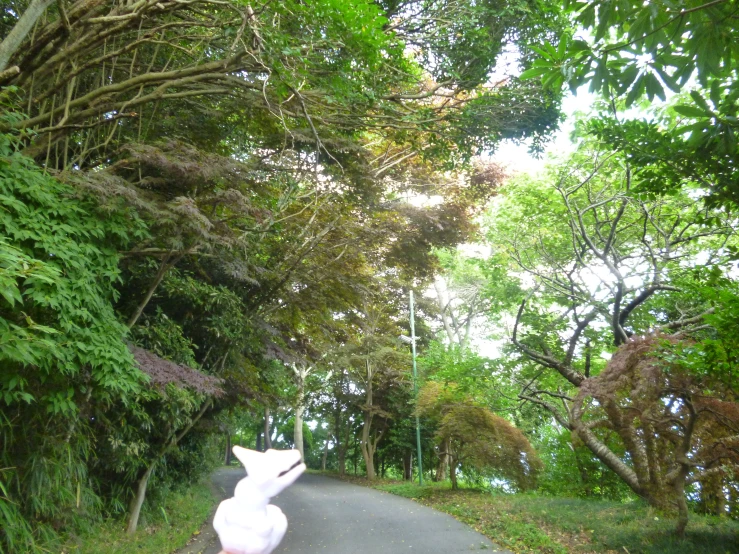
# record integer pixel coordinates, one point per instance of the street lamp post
(415, 389)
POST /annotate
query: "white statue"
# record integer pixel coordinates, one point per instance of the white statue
(248, 523)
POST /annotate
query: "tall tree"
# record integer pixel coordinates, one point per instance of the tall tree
(375, 359)
(606, 265)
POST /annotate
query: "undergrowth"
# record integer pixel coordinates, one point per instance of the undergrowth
(180, 516)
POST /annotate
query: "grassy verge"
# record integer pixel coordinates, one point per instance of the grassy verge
(529, 523)
(182, 516)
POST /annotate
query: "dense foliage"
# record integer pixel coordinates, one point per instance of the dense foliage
(205, 227)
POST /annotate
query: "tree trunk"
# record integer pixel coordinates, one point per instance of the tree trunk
(227, 459)
(161, 272)
(368, 449)
(325, 455)
(258, 445)
(682, 502)
(453, 473)
(134, 509)
(298, 430)
(341, 455)
(355, 455)
(368, 452)
(712, 496)
(20, 30)
(682, 520)
(465, 339)
(684, 469)
(443, 461)
(138, 500)
(440, 474)
(342, 461)
(267, 431)
(407, 472)
(301, 374)
(339, 444)
(444, 308)
(584, 477)
(733, 501)
(605, 455)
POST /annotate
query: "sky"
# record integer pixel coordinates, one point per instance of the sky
(517, 159)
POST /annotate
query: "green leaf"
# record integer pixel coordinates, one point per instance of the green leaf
(535, 72)
(654, 87)
(691, 111)
(553, 81)
(636, 90)
(12, 294)
(545, 53)
(698, 98)
(579, 46)
(667, 79)
(716, 91)
(699, 126)
(562, 48)
(627, 78)
(604, 19)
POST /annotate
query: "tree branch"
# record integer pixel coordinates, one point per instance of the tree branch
(544, 359)
(20, 30)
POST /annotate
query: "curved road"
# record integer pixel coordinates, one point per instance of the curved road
(328, 516)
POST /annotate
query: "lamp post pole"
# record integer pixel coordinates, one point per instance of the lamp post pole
(415, 389)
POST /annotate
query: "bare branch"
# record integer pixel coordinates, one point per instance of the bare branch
(686, 322)
(544, 359)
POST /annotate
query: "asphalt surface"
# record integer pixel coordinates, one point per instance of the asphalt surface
(328, 516)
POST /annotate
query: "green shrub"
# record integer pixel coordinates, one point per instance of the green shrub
(62, 348)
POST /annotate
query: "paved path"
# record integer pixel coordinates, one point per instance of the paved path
(328, 516)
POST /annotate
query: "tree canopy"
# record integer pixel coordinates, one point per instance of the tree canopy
(212, 213)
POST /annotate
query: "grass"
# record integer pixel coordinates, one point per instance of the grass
(179, 519)
(530, 523)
